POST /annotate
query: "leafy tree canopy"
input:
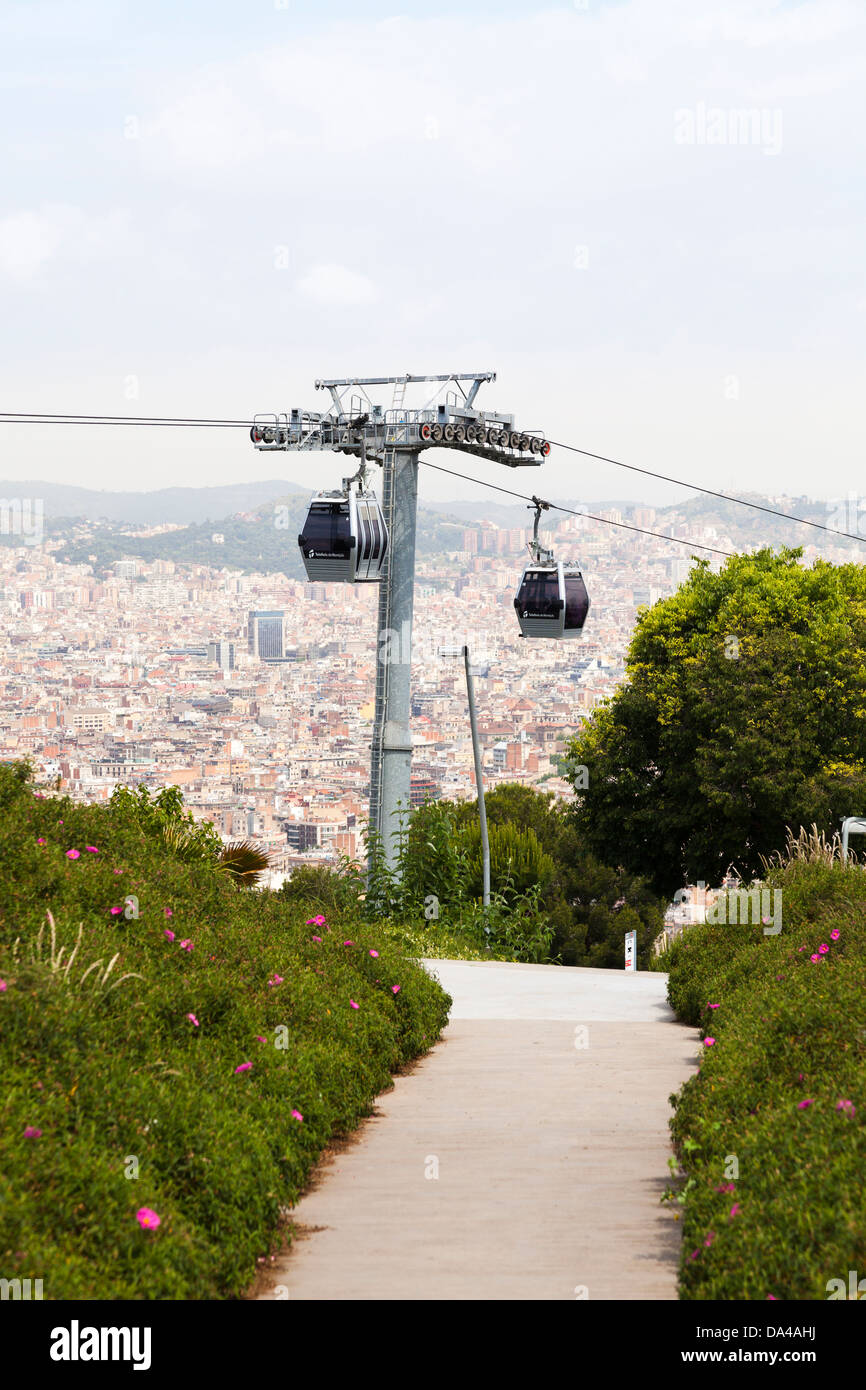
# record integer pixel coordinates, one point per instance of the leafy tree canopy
(743, 713)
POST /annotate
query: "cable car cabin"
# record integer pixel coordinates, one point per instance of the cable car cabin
(552, 600)
(344, 539)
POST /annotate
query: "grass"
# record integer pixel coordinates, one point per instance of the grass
(770, 1133)
(122, 1051)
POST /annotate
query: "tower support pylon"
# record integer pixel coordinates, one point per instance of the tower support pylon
(391, 754)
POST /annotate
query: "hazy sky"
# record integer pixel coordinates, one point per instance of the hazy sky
(205, 206)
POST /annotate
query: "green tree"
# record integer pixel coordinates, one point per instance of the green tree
(536, 851)
(743, 713)
(163, 817)
(517, 861)
(512, 803)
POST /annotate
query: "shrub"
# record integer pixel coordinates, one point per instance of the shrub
(770, 1131)
(127, 1020)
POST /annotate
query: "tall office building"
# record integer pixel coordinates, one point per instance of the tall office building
(222, 654)
(265, 634)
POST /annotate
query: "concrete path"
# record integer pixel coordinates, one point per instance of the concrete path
(523, 1158)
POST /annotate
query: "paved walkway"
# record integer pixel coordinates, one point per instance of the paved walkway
(523, 1158)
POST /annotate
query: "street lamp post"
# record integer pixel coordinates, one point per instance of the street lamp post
(479, 777)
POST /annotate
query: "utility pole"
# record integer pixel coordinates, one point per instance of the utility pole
(479, 774)
(357, 425)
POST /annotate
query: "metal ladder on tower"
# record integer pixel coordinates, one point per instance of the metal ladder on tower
(399, 397)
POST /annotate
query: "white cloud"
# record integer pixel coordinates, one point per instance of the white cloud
(31, 239)
(335, 284)
(27, 241)
(503, 186)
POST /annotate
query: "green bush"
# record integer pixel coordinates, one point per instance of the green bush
(125, 1016)
(550, 899)
(770, 1132)
(323, 889)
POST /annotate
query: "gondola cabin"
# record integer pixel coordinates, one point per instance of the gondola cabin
(344, 538)
(552, 600)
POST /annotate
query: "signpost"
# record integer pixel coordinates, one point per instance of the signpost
(631, 950)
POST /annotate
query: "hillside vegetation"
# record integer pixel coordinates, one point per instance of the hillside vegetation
(770, 1133)
(176, 1050)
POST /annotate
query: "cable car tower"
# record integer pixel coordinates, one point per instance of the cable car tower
(335, 535)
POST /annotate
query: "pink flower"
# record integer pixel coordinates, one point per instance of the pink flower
(41, 841)
(708, 1042)
(275, 980)
(375, 955)
(348, 943)
(3, 986)
(714, 1006)
(773, 1297)
(823, 948)
(168, 934)
(317, 938)
(118, 871)
(168, 912)
(354, 1005)
(147, 1219)
(735, 1211)
(91, 849)
(296, 1115)
(711, 1235)
(804, 1104)
(259, 1038)
(73, 854)
(186, 944)
(315, 921)
(116, 911)
(847, 1107)
(244, 1066)
(835, 934)
(395, 989)
(32, 1133)
(193, 1020)
(726, 1187)
(814, 959)
(694, 1254)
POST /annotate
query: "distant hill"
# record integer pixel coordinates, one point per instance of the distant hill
(263, 541)
(259, 534)
(180, 505)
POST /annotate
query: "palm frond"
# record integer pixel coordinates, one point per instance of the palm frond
(245, 862)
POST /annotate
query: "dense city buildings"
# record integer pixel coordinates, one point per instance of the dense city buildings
(254, 693)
